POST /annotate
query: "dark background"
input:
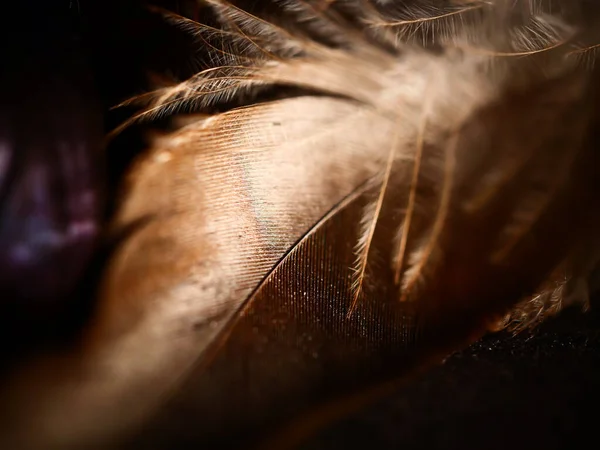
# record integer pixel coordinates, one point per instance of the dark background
(537, 390)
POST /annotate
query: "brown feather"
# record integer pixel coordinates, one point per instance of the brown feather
(233, 300)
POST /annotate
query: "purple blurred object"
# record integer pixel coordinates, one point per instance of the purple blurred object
(50, 163)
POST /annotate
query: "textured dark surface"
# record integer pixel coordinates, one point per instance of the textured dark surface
(528, 391)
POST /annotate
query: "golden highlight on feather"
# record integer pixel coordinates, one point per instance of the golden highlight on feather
(412, 195)
(370, 219)
(494, 28)
(253, 44)
(236, 47)
(423, 14)
(416, 272)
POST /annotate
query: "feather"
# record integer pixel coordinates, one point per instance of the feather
(405, 228)
(369, 223)
(384, 172)
(499, 28)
